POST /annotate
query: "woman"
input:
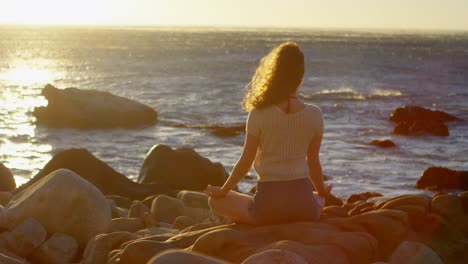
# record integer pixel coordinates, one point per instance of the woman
(283, 142)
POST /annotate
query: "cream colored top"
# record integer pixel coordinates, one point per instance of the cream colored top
(284, 139)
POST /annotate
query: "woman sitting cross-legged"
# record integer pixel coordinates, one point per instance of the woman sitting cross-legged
(282, 141)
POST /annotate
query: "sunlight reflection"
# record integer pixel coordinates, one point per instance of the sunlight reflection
(26, 73)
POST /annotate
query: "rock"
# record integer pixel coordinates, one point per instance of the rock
(383, 143)
(193, 199)
(166, 209)
(157, 231)
(99, 247)
(231, 131)
(79, 209)
(180, 169)
(4, 259)
(141, 211)
(361, 196)
(420, 127)
(439, 178)
(331, 200)
(90, 109)
(412, 113)
(24, 238)
(120, 201)
(182, 256)
(275, 256)
(141, 251)
(7, 181)
(59, 248)
(335, 211)
(126, 224)
(101, 175)
(183, 222)
(414, 253)
(447, 205)
(117, 211)
(5, 198)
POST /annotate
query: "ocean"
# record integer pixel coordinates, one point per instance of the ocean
(195, 77)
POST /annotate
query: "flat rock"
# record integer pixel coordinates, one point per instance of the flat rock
(412, 113)
(91, 109)
(63, 202)
(387, 143)
(439, 178)
(181, 169)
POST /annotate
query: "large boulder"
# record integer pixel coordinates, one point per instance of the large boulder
(59, 248)
(439, 178)
(7, 181)
(414, 253)
(413, 113)
(101, 175)
(416, 120)
(63, 202)
(180, 169)
(89, 109)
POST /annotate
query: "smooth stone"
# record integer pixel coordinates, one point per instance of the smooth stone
(5, 198)
(141, 251)
(181, 169)
(121, 201)
(273, 256)
(142, 211)
(161, 231)
(414, 253)
(167, 209)
(91, 109)
(182, 256)
(63, 202)
(98, 248)
(126, 224)
(25, 237)
(59, 248)
(193, 199)
(361, 196)
(7, 181)
(97, 172)
(4, 259)
(420, 127)
(412, 113)
(183, 222)
(447, 205)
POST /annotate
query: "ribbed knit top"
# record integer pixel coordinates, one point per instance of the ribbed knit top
(284, 139)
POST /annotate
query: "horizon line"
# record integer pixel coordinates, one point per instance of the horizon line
(235, 27)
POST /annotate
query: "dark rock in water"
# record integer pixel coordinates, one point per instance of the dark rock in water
(413, 113)
(7, 181)
(332, 200)
(420, 127)
(101, 175)
(438, 178)
(180, 169)
(221, 131)
(90, 109)
(383, 143)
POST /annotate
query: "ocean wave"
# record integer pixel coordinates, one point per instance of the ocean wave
(349, 94)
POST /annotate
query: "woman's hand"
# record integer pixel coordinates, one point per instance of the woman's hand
(215, 192)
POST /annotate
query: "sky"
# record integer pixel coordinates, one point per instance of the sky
(385, 14)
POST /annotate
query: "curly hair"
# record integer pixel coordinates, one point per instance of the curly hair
(278, 75)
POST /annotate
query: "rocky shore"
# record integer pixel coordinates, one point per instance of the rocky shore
(62, 216)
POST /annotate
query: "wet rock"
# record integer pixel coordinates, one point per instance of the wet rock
(24, 238)
(180, 169)
(91, 109)
(439, 178)
(383, 143)
(273, 256)
(99, 247)
(419, 127)
(126, 224)
(63, 202)
(59, 248)
(101, 175)
(182, 256)
(414, 253)
(412, 113)
(193, 199)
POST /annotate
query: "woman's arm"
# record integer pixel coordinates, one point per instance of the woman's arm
(315, 169)
(244, 163)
